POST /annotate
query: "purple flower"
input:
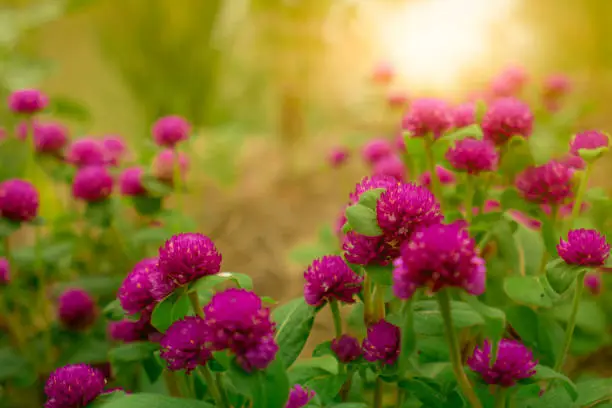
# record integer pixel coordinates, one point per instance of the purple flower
(445, 176)
(50, 138)
(114, 149)
(126, 331)
(397, 99)
(92, 184)
(330, 278)
(403, 208)
(239, 322)
(86, 152)
(77, 310)
(164, 165)
(584, 247)
(371, 183)
(589, 140)
(170, 130)
(346, 348)
(391, 166)
(376, 149)
(573, 162)
(361, 250)
(514, 362)
(509, 82)
(555, 87)
(27, 101)
(184, 344)
(187, 257)
(382, 343)
(550, 183)
(5, 271)
(299, 397)
(436, 257)
(505, 118)
(473, 156)
(73, 386)
(161, 285)
(464, 115)
(135, 291)
(428, 116)
(130, 182)
(18, 200)
(593, 283)
(338, 156)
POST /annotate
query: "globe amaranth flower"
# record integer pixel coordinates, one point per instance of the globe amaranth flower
(239, 322)
(473, 156)
(170, 130)
(126, 331)
(27, 101)
(375, 150)
(554, 88)
(184, 344)
(187, 257)
(161, 285)
(403, 208)
(114, 149)
(584, 247)
(428, 117)
(505, 118)
(589, 140)
(130, 182)
(361, 250)
(135, 292)
(73, 386)
(382, 343)
(92, 184)
(550, 183)
(371, 183)
(338, 156)
(573, 162)
(299, 397)
(76, 309)
(436, 257)
(391, 166)
(445, 176)
(464, 115)
(593, 283)
(86, 152)
(509, 82)
(397, 99)
(514, 362)
(5, 271)
(164, 165)
(346, 348)
(330, 278)
(383, 73)
(50, 137)
(19, 200)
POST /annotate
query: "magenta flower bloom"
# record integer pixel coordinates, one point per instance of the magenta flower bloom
(593, 283)
(330, 278)
(584, 247)
(445, 176)
(382, 343)
(239, 322)
(371, 183)
(76, 309)
(50, 138)
(126, 331)
(556, 86)
(170, 130)
(514, 362)
(390, 166)
(92, 184)
(27, 101)
(161, 285)
(130, 182)
(573, 162)
(338, 156)
(164, 163)
(473, 156)
(135, 292)
(18, 200)
(73, 386)
(589, 140)
(375, 150)
(184, 344)
(509, 82)
(361, 250)
(346, 348)
(86, 152)
(397, 99)
(383, 73)
(436, 257)
(428, 116)
(550, 183)
(506, 118)
(114, 149)
(403, 208)
(299, 397)
(464, 115)
(5, 271)
(187, 257)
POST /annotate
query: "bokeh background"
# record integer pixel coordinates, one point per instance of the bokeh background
(272, 85)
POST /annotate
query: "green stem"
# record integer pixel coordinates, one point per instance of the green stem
(455, 353)
(400, 397)
(219, 380)
(431, 166)
(379, 302)
(584, 181)
(178, 181)
(212, 387)
(469, 198)
(545, 255)
(378, 393)
(367, 298)
(195, 304)
(407, 335)
(410, 167)
(172, 384)
(333, 305)
(571, 324)
(501, 397)
(346, 387)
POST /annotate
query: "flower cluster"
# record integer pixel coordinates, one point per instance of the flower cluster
(73, 386)
(514, 362)
(505, 118)
(473, 156)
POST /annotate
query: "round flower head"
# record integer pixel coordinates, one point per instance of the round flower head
(161, 285)
(77, 310)
(509, 82)
(299, 397)
(375, 150)
(5, 271)
(184, 344)
(436, 257)
(361, 250)
(573, 162)
(27, 101)
(50, 138)
(556, 86)
(338, 156)
(86, 152)
(92, 184)
(114, 149)
(259, 356)
(514, 362)
(330, 278)
(464, 115)
(346, 348)
(125, 331)
(397, 99)
(390, 166)
(550, 183)
(382, 343)
(135, 291)
(403, 208)
(187, 257)
(164, 163)
(170, 130)
(589, 140)
(371, 183)
(383, 73)
(584, 247)
(130, 182)
(445, 176)
(428, 116)
(18, 200)
(506, 118)
(593, 283)
(473, 156)
(73, 386)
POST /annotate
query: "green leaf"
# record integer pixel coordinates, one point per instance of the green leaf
(142, 400)
(113, 310)
(363, 220)
(427, 394)
(132, 352)
(97, 286)
(561, 276)
(89, 351)
(495, 321)
(100, 213)
(13, 366)
(590, 318)
(550, 236)
(544, 373)
(7, 227)
(592, 392)
(145, 205)
(382, 275)
(432, 349)
(408, 336)
(155, 187)
(14, 156)
(56, 252)
(518, 156)
(507, 245)
(161, 318)
(67, 108)
(323, 349)
(270, 388)
(319, 375)
(428, 319)
(181, 308)
(294, 322)
(370, 198)
(527, 290)
(209, 282)
(590, 155)
(474, 131)
(349, 405)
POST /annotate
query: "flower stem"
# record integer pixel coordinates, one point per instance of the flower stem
(400, 397)
(584, 181)
(178, 182)
(219, 379)
(571, 323)
(195, 304)
(501, 397)
(333, 305)
(455, 354)
(367, 298)
(172, 384)
(379, 302)
(212, 387)
(378, 393)
(469, 197)
(553, 219)
(431, 166)
(346, 387)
